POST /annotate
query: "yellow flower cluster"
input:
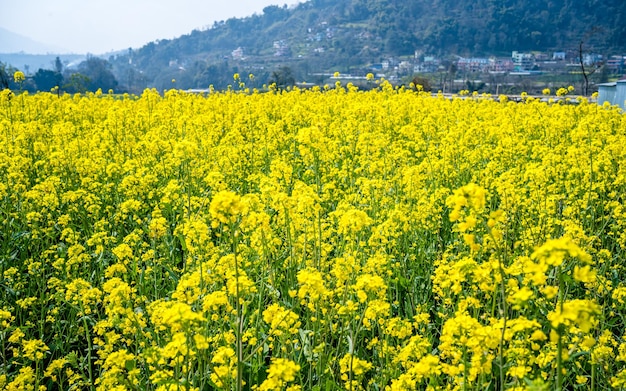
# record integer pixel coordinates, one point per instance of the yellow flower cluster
(311, 239)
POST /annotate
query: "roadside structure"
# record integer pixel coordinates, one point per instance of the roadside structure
(614, 93)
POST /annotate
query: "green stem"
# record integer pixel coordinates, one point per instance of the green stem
(89, 347)
(559, 362)
(593, 377)
(504, 316)
(559, 354)
(239, 332)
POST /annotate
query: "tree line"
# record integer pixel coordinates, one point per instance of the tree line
(90, 75)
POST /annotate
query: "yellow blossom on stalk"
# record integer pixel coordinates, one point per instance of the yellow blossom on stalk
(19, 77)
(602, 350)
(550, 291)
(243, 283)
(189, 288)
(34, 349)
(55, 367)
(117, 268)
(119, 370)
(376, 311)
(80, 293)
(226, 207)
(370, 285)
(158, 225)
(554, 252)
(124, 253)
(16, 336)
(413, 351)
(471, 196)
(467, 203)
(24, 381)
(353, 221)
(562, 91)
(280, 372)
(399, 328)
(280, 320)
(311, 283)
(213, 301)
(225, 366)
(584, 274)
(619, 294)
(25, 303)
(5, 318)
(520, 297)
(416, 372)
(579, 313)
(177, 349)
(174, 316)
(352, 368)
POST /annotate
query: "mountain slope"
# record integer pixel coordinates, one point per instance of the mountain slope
(11, 42)
(346, 33)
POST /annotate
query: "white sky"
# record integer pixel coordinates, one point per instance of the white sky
(100, 26)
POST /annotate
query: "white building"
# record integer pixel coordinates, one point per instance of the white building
(523, 61)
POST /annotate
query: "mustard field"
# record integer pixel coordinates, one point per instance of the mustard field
(323, 239)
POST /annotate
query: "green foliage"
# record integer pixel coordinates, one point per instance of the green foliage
(422, 83)
(77, 83)
(283, 77)
(98, 74)
(45, 79)
(6, 76)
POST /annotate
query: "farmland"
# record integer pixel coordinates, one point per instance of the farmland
(320, 239)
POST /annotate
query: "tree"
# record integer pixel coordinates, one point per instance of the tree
(4, 78)
(77, 83)
(58, 65)
(45, 79)
(592, 67)
(98, 72)
(282, 77)
(420, 81)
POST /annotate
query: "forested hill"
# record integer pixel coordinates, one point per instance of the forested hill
(330, 33)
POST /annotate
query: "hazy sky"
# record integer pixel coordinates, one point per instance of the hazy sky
(99, 26)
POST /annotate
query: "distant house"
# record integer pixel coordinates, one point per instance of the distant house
(237, 54)
(523, 61)
(616, 64)
(429, 64)
(497, 65)
(592, 59)
(613, 93)
(281, 48)
(473, 64)
(558, 56)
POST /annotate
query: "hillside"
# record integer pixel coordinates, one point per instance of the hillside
(325, 35)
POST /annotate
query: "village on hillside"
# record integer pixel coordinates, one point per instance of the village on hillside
(529, 71)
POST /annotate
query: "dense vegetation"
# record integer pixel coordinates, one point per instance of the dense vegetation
(91, 74)
(310, 240)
